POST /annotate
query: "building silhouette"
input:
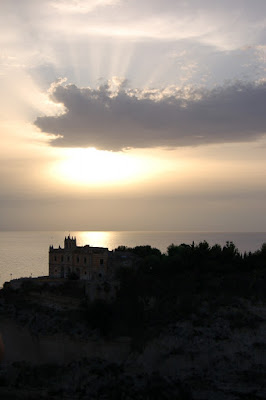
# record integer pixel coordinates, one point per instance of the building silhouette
(82, 262)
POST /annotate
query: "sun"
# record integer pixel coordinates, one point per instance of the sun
(94, 167)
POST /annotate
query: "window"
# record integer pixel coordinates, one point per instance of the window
(101, 261)
(55, 258)
(67, 258)
(85, 260)
(62, 258)
(78, 259)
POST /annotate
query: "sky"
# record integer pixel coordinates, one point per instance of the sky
(133, 115)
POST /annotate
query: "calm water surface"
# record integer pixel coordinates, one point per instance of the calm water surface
(26, 253)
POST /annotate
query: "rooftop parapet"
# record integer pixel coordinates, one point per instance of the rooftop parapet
(70, 242)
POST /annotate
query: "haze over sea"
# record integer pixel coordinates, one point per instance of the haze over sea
(25, 254)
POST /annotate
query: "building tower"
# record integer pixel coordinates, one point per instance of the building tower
(70, 243)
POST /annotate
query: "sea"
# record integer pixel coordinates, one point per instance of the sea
(25, 254)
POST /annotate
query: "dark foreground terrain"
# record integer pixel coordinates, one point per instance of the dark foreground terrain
(189, 324)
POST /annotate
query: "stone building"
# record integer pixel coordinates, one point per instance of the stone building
(85, 262)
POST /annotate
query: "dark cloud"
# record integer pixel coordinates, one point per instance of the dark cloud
(115, 117)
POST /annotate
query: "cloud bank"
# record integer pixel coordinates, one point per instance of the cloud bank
(114, 117)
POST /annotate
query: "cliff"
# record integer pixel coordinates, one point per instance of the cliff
(208, 356)
(181, 331)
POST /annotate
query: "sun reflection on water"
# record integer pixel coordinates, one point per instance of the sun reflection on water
(93, 238)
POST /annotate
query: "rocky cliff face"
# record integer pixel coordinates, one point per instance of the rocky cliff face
(48, 324)
(219, 356)
(21, 344)
(51, 352)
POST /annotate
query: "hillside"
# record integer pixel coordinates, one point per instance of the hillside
(189, 324)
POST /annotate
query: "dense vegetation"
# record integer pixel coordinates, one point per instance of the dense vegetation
(193, 298)
(157, 291)
(163, 288)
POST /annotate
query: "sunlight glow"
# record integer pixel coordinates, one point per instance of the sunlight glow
(101, 239)
(91, 166)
